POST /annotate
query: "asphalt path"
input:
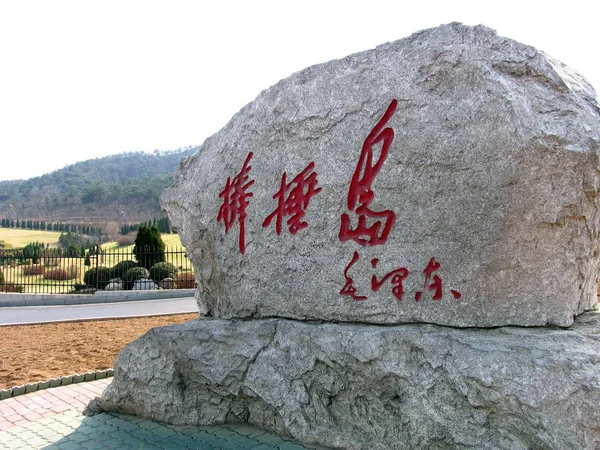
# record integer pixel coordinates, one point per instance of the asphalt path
(18, 315)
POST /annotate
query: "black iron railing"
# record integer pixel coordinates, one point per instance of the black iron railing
(56, 271)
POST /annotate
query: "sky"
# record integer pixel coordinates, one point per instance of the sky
(86, 79)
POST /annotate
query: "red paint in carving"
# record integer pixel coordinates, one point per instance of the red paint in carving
(397, 277)
(360, 193)
(435, 285)
(349, 288)
(296, 202)
(457, 295)
(374, 262)
(235, 201)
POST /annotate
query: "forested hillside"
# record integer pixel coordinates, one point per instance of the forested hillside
(95, 190)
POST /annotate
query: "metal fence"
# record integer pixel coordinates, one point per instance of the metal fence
(56, 271)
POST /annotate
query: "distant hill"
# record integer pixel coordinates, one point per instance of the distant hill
(95, 190)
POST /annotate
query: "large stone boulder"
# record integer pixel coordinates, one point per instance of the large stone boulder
(450, 177)
(144, 284)
(366, 386)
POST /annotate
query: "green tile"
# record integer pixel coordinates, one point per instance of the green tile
(229, 445)
(142, 433)
(77, 437)
(164, 431)
(291, 446)
(105, 429)
(223, 432)
(92, 445)
(148, 424)
(120, 435)
(68, 446)
(127, 426)
(270, 439)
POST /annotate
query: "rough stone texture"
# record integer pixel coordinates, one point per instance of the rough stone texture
(114, 285)
(493, 171)
(368, 386)
(144, 284)
(167, 283)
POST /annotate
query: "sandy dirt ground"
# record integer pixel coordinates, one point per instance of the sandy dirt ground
(40, 352)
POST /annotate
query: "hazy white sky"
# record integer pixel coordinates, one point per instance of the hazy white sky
(82, 79)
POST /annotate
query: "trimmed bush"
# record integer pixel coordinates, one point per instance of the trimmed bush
(149, 247)
(120, 269)
(11, 287)
(62, 274)
(162, 270)
(104, 274)
(37, 269)
(126, 240)
(135, 273)
(185, 280)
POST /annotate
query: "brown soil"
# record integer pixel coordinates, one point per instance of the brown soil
(40, 352)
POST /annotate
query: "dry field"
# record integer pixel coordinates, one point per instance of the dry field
(40, 352)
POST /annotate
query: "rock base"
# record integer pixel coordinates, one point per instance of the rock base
(366, 386)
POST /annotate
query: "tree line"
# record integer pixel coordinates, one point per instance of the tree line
(42, 225)
(161, 224)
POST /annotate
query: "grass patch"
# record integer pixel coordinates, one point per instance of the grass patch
(19, 238)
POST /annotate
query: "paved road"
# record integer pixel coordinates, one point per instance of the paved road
(42, 314)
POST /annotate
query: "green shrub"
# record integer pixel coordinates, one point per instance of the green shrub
(121, 268)
(1, 277)
(135, 273)
(104, 274)
(162, 270)
(149, 247)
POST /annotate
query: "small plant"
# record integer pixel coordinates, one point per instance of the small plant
(135, 273)
(185, 280)
(119, 269)
(37, 269)
(103, 274)
(162, 270)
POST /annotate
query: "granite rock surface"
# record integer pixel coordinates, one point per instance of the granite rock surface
(450, 177)
(368, 386)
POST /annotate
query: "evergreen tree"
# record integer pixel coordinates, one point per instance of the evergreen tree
(149, 247)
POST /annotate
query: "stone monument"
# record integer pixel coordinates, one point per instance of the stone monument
(445, 185)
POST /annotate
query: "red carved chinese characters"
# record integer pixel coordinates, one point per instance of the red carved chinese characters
(349, 288)
(360, 193)
(396, 278)
(296, 202)
(435, 283)
(235, 200)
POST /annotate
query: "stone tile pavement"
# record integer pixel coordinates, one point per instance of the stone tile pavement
(53, 419)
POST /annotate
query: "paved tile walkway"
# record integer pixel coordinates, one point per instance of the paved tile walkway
(53, 419)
